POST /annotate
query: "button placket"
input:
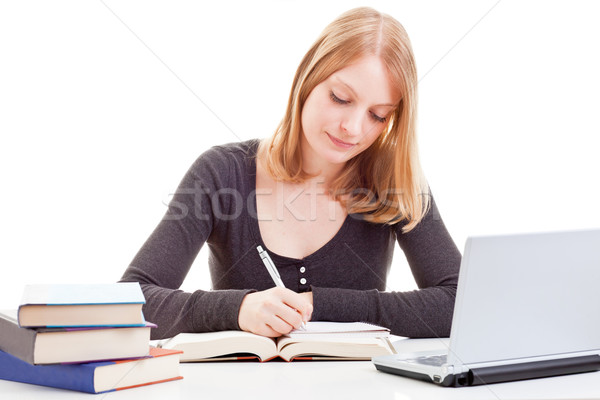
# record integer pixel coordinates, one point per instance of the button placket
(302, 278)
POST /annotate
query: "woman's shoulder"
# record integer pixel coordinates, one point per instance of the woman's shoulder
(226, 162)
(241, 150)
(224, 155)
(243, 146)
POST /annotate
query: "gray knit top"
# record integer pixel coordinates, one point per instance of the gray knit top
(215, 203)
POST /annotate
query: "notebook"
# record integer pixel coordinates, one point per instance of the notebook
(527, 306)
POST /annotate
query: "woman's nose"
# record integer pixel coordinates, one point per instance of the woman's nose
(351, 123)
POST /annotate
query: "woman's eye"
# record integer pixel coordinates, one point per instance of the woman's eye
(337, 99)
(378, 118)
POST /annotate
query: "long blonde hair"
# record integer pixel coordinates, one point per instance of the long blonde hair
(384, 183)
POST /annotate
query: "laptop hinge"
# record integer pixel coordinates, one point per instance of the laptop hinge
(536, 369)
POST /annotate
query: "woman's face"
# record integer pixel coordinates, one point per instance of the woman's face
(344, 114)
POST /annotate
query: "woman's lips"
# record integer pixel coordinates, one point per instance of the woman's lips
(340, 143)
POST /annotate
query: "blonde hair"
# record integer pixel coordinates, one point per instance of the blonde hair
(384, 183)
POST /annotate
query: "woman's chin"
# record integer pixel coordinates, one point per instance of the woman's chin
(336, 157)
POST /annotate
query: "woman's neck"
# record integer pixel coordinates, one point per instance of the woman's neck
(322, 171)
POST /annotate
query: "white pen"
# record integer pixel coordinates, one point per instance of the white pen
(270, 265)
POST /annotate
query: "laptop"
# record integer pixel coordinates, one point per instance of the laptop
(527, 306)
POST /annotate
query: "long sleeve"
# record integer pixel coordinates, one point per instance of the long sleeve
(216, 204)
(164, 260)
(434, 260)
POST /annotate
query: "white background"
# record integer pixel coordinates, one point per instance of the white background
(104, 105)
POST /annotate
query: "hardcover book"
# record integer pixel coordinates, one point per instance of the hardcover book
(319, 341)
(98, 377)
(77, 305)
(62, 345)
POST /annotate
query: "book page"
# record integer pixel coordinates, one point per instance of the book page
(326, 329)
(333, 347)
(202, 346)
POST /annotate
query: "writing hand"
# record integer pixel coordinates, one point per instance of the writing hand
(274, 312)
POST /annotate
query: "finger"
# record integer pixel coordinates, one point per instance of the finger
(285, 313)
(281, 307)
(266, 330)
(297, 302)
(279, 325)
(308, 313)
(289, 315)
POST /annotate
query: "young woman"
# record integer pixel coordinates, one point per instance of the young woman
(327, 196)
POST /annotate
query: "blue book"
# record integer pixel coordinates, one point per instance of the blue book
(97, 377)
(81, 305)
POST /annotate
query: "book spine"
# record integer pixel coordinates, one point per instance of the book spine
(19, 342)
(72, 377)
(147, 383)
(91, 326)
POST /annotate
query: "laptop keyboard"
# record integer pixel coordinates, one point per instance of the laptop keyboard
(436, 361)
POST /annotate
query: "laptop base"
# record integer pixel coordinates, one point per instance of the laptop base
(505, 373)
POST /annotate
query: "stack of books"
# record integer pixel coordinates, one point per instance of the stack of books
(90, 338)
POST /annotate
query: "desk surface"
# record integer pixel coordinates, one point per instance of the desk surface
(321, 380)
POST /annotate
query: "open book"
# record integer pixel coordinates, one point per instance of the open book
(319, 341)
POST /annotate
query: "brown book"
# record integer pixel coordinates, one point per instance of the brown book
(68, 345)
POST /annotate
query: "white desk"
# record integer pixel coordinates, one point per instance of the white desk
(316, 380)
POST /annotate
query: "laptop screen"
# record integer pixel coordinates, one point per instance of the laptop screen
(527, 295)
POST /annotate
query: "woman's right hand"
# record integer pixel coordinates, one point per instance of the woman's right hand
(274, 312)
